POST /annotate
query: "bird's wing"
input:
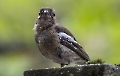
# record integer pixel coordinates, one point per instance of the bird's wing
(68, 40)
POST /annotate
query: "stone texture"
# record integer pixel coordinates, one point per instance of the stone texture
(81, 70)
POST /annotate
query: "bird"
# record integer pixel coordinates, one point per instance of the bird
(55, 42)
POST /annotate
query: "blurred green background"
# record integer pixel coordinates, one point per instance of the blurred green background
(95, 24)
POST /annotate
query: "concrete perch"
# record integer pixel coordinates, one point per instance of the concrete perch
(81, 70)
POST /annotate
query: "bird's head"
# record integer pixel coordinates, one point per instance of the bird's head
(46, 13)
(45, 20)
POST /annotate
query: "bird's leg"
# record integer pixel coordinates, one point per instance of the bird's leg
(63, 65)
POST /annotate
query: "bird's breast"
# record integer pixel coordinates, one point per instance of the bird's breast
(47, 40)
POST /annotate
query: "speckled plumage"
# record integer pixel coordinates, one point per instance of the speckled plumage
(56, 42)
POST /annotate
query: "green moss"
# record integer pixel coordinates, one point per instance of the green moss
(117, 65)
(98, 61)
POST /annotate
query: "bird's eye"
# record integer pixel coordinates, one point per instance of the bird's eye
(39, 13)
(53, 14)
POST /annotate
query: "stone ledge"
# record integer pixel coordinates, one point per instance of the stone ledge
(81, 70)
